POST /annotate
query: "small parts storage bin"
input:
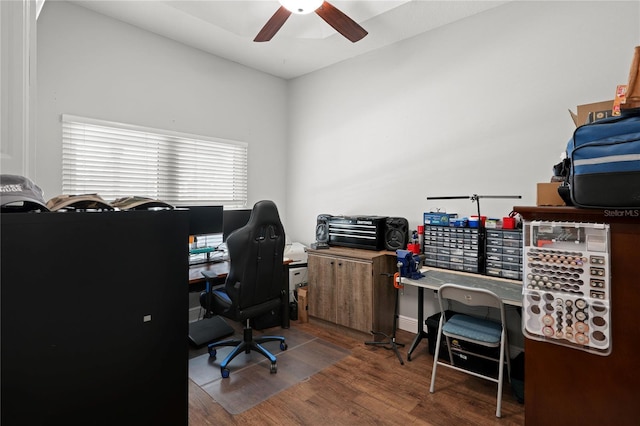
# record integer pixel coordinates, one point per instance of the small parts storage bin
(504, 253)
(456, 248)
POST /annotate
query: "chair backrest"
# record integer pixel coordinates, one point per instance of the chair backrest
(256, 253)
(470, 296)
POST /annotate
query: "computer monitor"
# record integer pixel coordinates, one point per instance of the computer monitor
(234, 219)
(205, 220)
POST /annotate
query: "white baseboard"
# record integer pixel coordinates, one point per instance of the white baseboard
(408, 324)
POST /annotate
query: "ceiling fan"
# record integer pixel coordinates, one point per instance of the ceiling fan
(332, 16)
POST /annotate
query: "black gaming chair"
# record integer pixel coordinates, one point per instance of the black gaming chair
(254, 284)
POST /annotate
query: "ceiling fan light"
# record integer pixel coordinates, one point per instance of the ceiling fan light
(301, 7)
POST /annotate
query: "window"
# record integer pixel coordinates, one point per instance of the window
(118, 160)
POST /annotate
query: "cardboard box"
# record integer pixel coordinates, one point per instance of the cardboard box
(303, 305)
(588, 113)
(548, 194)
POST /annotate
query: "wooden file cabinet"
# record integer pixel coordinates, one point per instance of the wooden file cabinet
(349, 288)
(566, 386)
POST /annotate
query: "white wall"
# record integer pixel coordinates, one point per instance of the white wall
(91, 65)
(476, 107)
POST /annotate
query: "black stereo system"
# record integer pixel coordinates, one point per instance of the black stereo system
(365, 232)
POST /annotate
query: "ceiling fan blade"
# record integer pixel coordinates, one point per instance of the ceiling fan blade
(273, 24)
(341, 22)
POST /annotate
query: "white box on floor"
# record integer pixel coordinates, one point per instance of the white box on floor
(297, 276)
(297, 252)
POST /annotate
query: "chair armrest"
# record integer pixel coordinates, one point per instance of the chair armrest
(209, 275)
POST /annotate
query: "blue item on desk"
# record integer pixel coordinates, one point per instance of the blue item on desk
(409, 264)
(201, 250)
(209, 257)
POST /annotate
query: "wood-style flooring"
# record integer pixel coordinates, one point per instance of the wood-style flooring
(370, 387)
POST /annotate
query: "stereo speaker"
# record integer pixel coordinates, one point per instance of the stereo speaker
(396, 234)
(322, 228)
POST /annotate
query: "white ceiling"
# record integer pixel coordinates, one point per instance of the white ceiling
(304, 44)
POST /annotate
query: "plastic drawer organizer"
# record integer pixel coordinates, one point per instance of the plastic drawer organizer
(454, 248)
(567, 285)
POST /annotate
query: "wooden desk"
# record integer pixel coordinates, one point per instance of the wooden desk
(221, 269)
(509, 291)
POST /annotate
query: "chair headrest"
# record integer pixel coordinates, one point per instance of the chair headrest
(264, 212)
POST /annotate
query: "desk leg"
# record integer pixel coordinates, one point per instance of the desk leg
(420, 334)
(284, 300)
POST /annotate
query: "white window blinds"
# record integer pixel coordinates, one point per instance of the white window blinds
(118, 160)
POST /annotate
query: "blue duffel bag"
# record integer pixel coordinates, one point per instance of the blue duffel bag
(604, 162)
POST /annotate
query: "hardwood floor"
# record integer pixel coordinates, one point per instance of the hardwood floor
(370, 387)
